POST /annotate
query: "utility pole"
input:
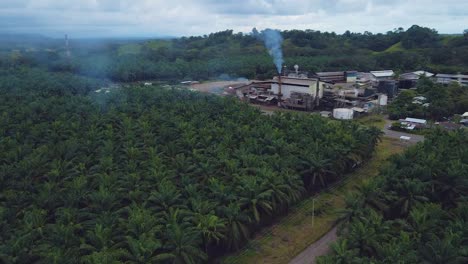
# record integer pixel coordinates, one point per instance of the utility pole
(313, 211)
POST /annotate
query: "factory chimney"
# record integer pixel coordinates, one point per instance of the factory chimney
(279, 88)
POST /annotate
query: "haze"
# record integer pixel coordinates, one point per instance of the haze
(145, 18)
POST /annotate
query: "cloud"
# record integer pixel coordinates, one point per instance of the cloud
(94, 18)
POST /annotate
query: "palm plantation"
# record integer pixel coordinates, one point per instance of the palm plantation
(153, 175)
(414, 212)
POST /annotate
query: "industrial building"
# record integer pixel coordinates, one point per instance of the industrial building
(409, 80)
(415, 75)
(412, 123)
(338, 77)
(449, 78)
(388, 87)
(311, 86)
(357, 92)
(383, 75)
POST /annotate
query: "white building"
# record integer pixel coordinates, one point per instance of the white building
(415, 75)
(449, 78)
(383, 75)
(299, 85)
(412, 123)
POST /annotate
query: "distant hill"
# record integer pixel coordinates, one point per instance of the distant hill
(242, 55)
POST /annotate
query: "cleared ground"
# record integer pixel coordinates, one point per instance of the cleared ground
(216, 87)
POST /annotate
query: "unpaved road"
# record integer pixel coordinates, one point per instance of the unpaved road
(322, 246)
(319, 248)
(215, 87)
(396, 134)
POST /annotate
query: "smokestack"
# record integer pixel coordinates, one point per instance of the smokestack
(279, 89)
(317, 92)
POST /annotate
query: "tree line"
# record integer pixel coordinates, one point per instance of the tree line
(241, 55)
(442, 101)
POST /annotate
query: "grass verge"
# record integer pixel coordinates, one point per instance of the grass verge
(372, 120)
(292, 234)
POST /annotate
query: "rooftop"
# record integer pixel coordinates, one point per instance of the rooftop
(443, 75)
(385, 73)
(330, 73)
(415, 120)
(425, 73)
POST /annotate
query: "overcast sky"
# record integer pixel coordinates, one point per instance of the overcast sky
(149, 18)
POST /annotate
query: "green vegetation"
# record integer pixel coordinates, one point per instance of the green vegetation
(147, 174)
(292, 234)
(415, 211)
(443, 101)
(395, 47)
(372, 120)
(241, 55)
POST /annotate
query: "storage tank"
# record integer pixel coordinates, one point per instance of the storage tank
(343, 113)
(383, 99)
(388, 87)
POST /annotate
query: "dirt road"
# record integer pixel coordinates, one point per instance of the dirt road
(216, 87)
(322, 246)
(319, 248)
(396, 134)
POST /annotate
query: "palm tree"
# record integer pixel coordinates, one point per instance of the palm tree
(210, 227)
(411, 192)
(167, 196)
(237, 223)
(342, 253)
(365, 234)
(439, 252)
(254, 197)
(183, 241)
(354, 208)
(316, 167)
(144, 249)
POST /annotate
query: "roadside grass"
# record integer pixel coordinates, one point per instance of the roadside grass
(284, 240)
(372, 120)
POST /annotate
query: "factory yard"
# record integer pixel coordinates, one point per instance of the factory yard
(216, 87)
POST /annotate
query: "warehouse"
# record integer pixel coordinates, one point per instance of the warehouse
(288, 85)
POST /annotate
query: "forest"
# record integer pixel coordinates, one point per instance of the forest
(443, 101)
(152, 174)
(416, 211)
(242, 55)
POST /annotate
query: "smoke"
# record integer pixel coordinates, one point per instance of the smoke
(273, 40)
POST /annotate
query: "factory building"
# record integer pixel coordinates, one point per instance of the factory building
(383, 75)
(408, 80)
(388, 87)
(338, 77)
(449, 78)
(291, 85)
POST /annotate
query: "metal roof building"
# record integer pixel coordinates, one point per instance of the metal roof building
(385, 74)
(449, 78)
